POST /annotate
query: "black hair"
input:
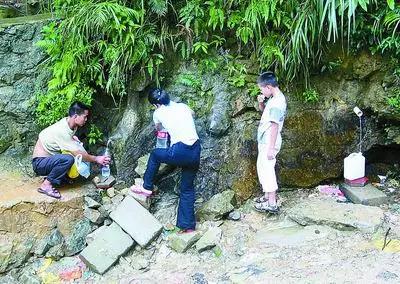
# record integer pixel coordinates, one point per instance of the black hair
(267, 78)
(158, 96)
(77, 108)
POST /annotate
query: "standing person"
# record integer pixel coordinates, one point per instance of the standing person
(47, 158)
(177, 119)
(269, 139)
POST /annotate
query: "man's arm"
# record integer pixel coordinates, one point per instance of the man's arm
(272, 140)
(102, 160)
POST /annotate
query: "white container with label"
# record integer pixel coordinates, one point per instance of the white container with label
(354, 166)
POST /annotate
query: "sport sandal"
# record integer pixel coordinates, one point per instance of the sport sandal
(265, 207)
(260, 199)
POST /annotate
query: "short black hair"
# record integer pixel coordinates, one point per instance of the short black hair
(267, 78)
(77, 108)
(158, 96)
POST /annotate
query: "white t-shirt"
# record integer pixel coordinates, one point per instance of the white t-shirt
(177, 119)
(58, 137)
(275, 111)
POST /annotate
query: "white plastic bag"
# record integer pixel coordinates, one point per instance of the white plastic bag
(83, 167)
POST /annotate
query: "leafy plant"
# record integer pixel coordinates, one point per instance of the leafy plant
(310, 96)
(394, 99)
(209, 65)
(97, 45)
(190, 80)
(253, 90)
(332, 65)
(94, 135)
(51, 107)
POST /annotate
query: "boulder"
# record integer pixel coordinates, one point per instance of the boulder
(77, 240)
(182, 242)
(217, 207)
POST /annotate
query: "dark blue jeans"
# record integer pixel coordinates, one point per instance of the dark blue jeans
(54, 167)
(188, 158)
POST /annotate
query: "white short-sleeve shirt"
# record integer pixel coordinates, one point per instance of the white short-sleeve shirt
(177, 119)
(58, 137)
(275, 111)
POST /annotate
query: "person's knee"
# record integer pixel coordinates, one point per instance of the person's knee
(68, 160)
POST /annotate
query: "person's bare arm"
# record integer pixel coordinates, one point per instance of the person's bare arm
(102, 160)
(272, 140)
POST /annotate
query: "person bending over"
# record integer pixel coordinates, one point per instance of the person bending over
(184, 152)
(47, 158)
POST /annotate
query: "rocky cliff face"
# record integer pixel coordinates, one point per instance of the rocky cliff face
(316, 136)
(20, 76)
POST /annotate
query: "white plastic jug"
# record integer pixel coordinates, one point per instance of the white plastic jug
(354, 166)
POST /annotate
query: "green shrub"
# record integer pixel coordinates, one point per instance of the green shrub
(310, 96)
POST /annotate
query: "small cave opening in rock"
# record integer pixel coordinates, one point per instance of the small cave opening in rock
(382, 159)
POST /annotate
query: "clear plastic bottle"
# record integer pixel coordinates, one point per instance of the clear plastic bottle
(105, 170)
(162, 139)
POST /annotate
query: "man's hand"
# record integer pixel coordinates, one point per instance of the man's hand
(103, 160)
(260, 98)
(271, 154)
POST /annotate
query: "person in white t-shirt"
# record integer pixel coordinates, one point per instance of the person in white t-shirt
(269, 139)
(177, 120)
(48, 158)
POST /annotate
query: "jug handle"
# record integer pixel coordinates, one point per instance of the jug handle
(78, 159)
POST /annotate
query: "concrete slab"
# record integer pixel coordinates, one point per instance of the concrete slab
(366, 195)
(342, 216)
(134, 219)
(106, 248)
(294, 236)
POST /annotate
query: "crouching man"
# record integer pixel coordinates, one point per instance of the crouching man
(48, 158)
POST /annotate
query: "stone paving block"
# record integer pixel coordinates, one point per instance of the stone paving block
(95, 234)
(366, 195)
(134, 219)
(106, 248)
(342, 216)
